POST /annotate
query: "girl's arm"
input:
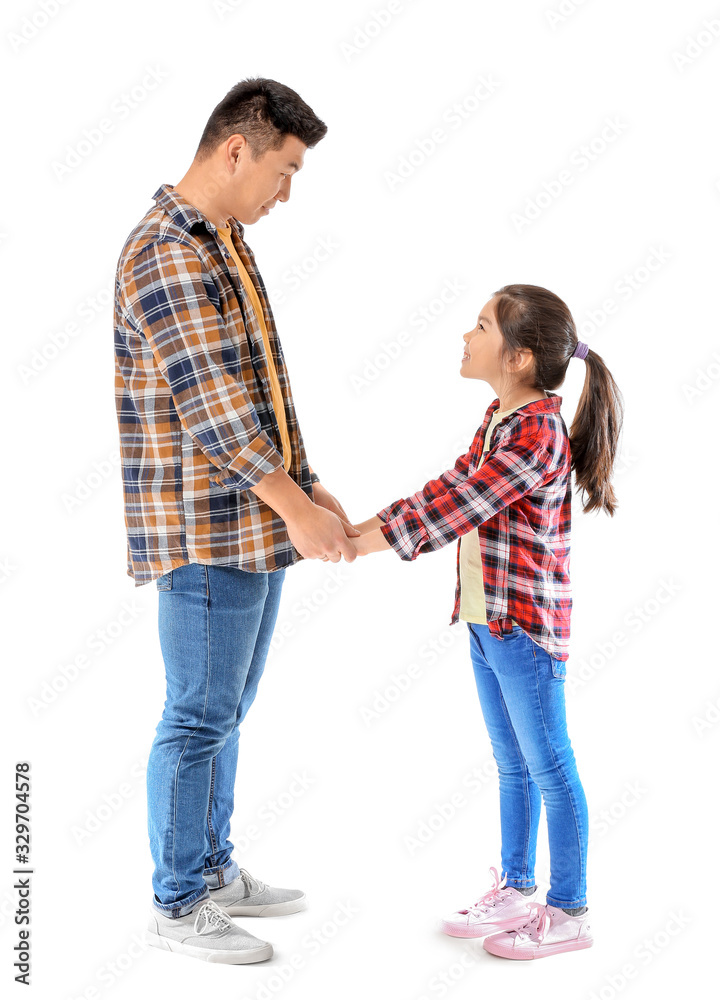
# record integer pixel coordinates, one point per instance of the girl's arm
(370, 541)
(369, 525)
(530, 454)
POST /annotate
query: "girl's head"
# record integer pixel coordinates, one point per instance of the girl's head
(525, 338)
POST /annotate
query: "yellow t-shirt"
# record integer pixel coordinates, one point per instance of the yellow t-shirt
(472, 592)
(275, 390)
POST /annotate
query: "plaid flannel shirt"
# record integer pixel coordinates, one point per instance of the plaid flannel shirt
(518, 500)
(193, 399)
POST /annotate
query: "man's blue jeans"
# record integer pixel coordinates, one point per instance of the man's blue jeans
(522, 695)
(215, 625)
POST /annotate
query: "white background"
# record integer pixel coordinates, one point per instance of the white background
(642, 689)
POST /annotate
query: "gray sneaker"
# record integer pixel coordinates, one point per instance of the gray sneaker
(246, 896)
(208, 934)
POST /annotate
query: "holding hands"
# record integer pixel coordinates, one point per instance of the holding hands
(361, 539)
(318, 528)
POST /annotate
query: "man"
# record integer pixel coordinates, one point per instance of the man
(219, 496)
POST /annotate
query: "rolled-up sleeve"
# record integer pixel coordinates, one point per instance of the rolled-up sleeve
(167, 300)
(454, 504)
(433, 488)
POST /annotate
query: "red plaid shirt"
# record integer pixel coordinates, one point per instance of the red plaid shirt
(518, 500)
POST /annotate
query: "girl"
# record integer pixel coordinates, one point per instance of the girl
(508, 499)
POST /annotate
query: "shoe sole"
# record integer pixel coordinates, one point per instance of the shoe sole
(246, 957)
(475, 932)
(264, 910)
(527, 953)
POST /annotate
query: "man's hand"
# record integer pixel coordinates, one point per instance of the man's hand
(328, 501)
(320, 534)
(315, 532)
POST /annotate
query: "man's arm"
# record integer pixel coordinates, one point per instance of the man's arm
(167, 301)
(314, 531)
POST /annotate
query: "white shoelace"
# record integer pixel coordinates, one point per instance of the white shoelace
(253, 884)
(210, 916)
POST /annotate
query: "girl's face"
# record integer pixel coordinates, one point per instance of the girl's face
(482, 348)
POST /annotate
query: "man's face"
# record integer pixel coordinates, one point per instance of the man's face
(257, 185)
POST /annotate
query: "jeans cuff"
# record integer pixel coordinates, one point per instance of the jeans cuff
(183, 908)
(222, 875)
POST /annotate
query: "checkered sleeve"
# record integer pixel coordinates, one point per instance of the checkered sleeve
(168, 298)
(517, 465)
(435, 487)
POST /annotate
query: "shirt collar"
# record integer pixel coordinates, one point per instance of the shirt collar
(186, 215)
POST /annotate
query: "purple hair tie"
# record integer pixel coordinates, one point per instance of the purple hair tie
(580, 350)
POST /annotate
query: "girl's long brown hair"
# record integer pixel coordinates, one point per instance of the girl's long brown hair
(534, 318)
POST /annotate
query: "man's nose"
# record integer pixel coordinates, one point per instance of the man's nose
(283, 192)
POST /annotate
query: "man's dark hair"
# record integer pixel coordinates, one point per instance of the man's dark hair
(265, 112)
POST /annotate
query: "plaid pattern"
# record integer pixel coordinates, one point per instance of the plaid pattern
(518, 500)
(193, 399)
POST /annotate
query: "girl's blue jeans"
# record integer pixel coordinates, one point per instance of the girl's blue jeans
(215, 625)
(522, 695)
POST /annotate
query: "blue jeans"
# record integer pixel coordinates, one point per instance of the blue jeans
(215, 625)
(522, 695)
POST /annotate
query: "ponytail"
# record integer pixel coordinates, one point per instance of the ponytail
(594, 436)
(535, 319)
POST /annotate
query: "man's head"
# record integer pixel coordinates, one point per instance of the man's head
(252, 144)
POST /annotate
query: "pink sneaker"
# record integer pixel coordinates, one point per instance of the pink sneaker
(500, 908)
(548, 932)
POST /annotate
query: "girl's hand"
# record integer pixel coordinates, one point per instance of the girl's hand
(370, 541)
(369, 525)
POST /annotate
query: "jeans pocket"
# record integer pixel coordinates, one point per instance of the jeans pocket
(558, 668)
(165, 582)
